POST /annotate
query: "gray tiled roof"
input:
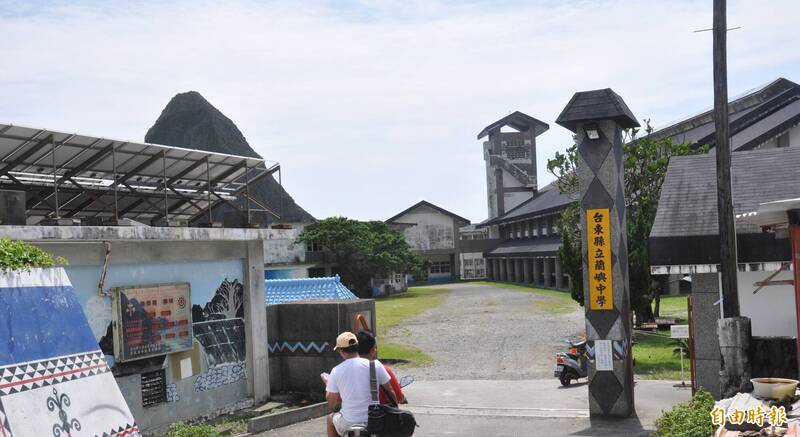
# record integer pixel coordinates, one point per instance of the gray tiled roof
(528, 246)
(602, 104)
(688, 203)
(754, 117)
(548, 199)
(519, 121)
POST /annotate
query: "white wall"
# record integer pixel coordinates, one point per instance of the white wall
(280, 247)
(772, 309)
(432, 229)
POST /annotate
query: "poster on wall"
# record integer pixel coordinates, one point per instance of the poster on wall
(152, 320)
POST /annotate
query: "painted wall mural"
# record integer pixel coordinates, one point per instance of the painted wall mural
(217, 308)
(285, 347)
(226, 303)
(53, 379)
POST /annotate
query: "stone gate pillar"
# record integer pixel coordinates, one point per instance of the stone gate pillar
(597, 118)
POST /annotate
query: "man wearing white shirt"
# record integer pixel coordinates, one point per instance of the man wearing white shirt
(348, 385)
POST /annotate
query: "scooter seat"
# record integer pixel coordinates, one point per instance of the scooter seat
(578, 343)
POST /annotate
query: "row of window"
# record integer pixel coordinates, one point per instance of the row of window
(439, 267)
(530, 228)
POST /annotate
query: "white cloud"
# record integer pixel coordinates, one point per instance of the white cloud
(372, 106)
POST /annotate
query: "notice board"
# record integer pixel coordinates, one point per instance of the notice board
(152, 320)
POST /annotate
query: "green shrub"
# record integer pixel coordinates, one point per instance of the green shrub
(19, 255)
(688, 419)
(184, 430)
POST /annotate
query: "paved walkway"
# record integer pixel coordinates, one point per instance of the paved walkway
(516, 408)
(495, 352)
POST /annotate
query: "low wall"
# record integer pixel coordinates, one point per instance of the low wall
(773, 357)
(217, 375)
(301, 340)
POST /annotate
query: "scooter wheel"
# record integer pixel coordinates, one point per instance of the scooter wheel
(566, 378)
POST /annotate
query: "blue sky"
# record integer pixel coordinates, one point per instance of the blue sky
(372, 106)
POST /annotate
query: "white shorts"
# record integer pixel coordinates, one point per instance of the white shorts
(341, 424)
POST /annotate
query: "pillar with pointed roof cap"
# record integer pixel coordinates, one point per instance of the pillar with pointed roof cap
(597, 118)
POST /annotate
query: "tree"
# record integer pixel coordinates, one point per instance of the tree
(645, 161)
(363, 250)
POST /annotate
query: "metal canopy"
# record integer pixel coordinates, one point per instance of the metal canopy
(70, 175)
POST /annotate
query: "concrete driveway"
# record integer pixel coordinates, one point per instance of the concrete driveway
(495, 353)
(516, 408)
(487, 332)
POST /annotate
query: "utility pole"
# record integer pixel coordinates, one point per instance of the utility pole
(727, 229)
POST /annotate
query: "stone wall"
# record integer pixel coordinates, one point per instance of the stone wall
(707, 359)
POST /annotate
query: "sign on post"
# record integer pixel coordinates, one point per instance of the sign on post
(598, 234)
(603, 355)
(679, 331)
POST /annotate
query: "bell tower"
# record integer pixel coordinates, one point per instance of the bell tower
(510, 161)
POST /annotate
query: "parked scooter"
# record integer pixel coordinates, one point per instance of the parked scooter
(573, 364)
(361, 430)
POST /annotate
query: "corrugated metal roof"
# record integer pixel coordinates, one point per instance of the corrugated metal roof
(306, 289)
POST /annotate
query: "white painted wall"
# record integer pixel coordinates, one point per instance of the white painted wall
(772, 309)
(431, 229)
(280, 247)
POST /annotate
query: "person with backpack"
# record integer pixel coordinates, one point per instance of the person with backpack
(368, 348)
(348, 386)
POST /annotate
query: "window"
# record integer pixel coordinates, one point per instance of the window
(535, 227)
(783, 140)
(544, 223)
(313, 246)
(439, 267)
(553, 225)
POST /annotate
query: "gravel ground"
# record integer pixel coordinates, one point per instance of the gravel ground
(486, 332)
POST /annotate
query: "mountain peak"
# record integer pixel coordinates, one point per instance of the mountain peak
(191, 122)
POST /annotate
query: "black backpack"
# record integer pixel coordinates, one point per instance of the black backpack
(385, 420)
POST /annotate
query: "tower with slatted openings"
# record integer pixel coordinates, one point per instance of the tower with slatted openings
(510, 161)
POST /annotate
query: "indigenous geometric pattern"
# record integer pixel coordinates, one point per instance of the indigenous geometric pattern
(284, 347)
(601, 182)
(27, 376)
(53, 379)
(306, 289)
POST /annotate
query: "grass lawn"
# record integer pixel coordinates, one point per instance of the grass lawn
(655, 359)
(674, 306)
(393, 310)
(556, 302)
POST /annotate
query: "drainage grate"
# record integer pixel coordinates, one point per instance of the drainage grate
(154, 388)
